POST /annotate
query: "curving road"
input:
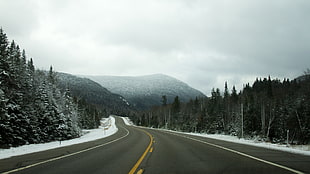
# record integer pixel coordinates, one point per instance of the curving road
(141, 150)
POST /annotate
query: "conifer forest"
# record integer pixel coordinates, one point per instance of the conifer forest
(33, 109)
(269, 110)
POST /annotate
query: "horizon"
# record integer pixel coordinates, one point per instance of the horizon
(207, 95)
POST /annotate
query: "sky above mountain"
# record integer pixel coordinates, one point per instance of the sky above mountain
(201, 42)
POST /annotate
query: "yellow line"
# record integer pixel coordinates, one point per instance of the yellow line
(140, 171)
(151, 149)
(61, 157)
(132, 171)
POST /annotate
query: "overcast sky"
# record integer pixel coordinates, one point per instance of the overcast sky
(201, 42)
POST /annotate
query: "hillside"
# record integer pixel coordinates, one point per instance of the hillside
(146, 91)
(93, 93)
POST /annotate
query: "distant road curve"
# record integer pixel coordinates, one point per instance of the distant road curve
(142, 150)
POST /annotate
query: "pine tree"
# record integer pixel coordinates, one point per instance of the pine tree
(164, 100)
(32, 108)
(3, 57)
(226, 92)
(227, 108)
(176, 105)
(234, 95)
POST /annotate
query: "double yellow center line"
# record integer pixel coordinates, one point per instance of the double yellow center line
(148, 149)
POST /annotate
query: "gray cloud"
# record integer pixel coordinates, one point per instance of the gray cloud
(18, 18)
(201, 42)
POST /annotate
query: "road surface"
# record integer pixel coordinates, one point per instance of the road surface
(142, 150)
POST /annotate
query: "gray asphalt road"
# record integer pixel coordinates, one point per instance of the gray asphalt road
(177, 153)
(167, 153)
(116, 157)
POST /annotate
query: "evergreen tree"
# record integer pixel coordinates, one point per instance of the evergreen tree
(32, 108)
(164, 100)
(176, 105)
(227, 108)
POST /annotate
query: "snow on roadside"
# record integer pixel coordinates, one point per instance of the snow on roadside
(106, 129)
(298, 149)
(127, 121)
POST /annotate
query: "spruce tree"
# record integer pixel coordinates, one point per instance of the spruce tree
(31, 105)
(164, 100)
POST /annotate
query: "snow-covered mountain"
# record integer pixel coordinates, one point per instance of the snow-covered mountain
(93, 93)
(146, 91)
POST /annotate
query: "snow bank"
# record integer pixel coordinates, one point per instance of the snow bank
(298, 149)
(127, 121)
(107, 128)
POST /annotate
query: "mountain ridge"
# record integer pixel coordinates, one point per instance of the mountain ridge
(147, 90)
(93, 92)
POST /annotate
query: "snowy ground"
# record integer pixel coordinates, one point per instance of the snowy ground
(127, 121)
(106, 129)
(298, 149)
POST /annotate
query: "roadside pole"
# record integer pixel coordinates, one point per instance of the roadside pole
(241, 120)
(287, 137)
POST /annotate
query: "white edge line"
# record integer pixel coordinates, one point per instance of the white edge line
(239, 153)
(65, 156)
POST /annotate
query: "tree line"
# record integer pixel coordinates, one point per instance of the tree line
(270, 110)
(33, 109)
